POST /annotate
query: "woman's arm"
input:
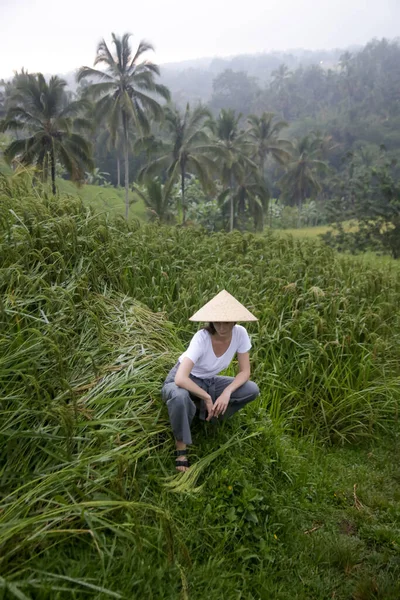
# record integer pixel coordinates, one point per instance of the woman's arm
(243, 375)
(183, 380)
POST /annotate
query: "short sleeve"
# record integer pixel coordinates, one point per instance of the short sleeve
(196, 347)
(244, 342)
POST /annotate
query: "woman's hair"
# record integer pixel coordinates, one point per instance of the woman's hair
(210, 328)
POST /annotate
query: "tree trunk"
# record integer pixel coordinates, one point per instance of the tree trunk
(264, 217)
(53, 171)
(126, 156)
(183, 194)
(231, 218)
(118, 172)
(300, 206)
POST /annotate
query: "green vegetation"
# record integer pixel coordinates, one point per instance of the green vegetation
(105, 199)
(371, 195)
(298, 495)
(319, 139)
(185, 152)
(295, 497)
(41, 111)
(124, 93)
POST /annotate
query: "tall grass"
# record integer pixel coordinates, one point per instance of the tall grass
(93, 314)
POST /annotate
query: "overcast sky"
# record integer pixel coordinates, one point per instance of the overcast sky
(55, 37)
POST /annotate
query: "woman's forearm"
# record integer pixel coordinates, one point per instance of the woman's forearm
(188, 384)
(238, 381)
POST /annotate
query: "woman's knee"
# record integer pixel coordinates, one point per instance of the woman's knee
(179, 399)
(252, 389)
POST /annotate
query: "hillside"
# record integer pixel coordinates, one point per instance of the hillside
(294, 497)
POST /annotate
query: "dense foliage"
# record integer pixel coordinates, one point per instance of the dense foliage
(93, 314)
(48, 121)
(370, 195)
(297, 125)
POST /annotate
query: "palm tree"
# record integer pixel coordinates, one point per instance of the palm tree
(232, 150)
(301, 179)
(250, 193)
(157, 198)
(8, 91)
(280, 79)
(280, 76)
(264, 134)
(125, 92)
(46, 119)
(188, 150)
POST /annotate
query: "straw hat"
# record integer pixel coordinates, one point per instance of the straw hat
(223, 308)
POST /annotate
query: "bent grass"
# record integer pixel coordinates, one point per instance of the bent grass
(87, 508)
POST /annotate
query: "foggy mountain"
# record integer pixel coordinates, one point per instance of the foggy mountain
(191, 80)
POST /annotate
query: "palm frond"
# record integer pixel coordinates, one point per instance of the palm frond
(125, 51)
(96, 90)
(114, 117)
(104, 106)
(103, 55)
(119, 52)
(154, 168)
(162, 91)
(84, 72)
(75, 108)
(21, 116)
(81, 123)
(148, 103)
(14, 149)
(200, 166)
(142, 48)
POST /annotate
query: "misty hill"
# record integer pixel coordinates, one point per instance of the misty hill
(192, 80)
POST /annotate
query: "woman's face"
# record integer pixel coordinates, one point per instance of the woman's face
(223, 329)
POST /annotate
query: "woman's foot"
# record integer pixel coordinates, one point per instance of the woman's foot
(181, 461)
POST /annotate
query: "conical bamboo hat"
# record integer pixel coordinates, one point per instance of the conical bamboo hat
(223, 308)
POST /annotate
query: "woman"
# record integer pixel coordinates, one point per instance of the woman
(193, 382)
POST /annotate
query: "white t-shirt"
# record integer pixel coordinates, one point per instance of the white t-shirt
(200, 351)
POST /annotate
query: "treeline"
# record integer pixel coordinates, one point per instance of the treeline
(193, 80)
(292, 139)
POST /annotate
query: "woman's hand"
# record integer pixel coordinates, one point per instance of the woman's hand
(210, 408)
(221, 404)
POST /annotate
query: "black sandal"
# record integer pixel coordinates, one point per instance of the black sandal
(181, 463)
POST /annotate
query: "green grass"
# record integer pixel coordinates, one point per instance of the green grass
(297, 496)
(303, 232)
(4, 168)
(310, 232)
(105, 199)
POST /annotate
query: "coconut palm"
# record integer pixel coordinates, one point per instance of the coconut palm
(46, 120)
(125, 92)
(264, 134)
(158, 199)
(250, 196)
(302, 177)
(188, 150)
(279, 84)
(280, 76)
(233, 150)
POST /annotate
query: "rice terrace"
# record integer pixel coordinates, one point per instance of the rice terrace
(110, 239)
